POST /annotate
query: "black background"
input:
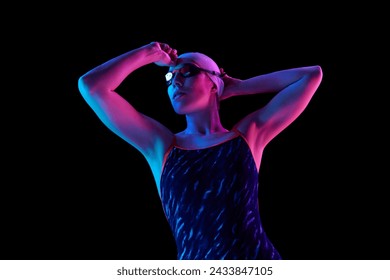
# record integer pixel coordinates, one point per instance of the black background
(74, 190)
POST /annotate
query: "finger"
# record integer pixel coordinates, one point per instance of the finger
(165, 47)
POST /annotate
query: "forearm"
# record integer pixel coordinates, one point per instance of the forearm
(273, 82)
(111, 74)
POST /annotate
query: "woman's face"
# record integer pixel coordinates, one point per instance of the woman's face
(189, 88)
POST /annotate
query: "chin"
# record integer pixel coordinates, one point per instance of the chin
(185, 109)
(180, 110)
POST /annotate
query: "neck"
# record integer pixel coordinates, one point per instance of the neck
(204, 123)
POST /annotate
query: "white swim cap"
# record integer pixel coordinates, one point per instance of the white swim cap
(205, 62)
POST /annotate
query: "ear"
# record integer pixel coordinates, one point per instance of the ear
(214, 88)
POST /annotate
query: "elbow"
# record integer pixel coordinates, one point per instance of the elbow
(314, 75)
(84, 85)
(316, 72)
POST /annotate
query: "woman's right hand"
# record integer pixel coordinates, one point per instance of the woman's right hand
(165, 54)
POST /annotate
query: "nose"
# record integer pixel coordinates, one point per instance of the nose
(177, 80)
(178, 83)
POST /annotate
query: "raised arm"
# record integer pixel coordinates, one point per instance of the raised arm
(98, 89)
(294, 89)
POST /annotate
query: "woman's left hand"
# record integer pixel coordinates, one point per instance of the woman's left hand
(231, 86)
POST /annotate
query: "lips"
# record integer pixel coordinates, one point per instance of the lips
(177, 94)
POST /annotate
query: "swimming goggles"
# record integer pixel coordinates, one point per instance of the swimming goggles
(188, 70)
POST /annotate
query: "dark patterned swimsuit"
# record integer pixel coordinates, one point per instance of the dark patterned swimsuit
(209, 197)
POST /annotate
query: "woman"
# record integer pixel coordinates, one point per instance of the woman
(206, 175)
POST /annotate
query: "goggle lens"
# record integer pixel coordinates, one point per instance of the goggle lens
(188, 70)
